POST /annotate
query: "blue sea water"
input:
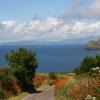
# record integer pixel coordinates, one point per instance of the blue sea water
(56, 58)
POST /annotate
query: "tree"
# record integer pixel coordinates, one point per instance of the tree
(87, 64)
(23, 64)
(97, 57)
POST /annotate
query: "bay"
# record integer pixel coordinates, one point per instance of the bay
(52, 58)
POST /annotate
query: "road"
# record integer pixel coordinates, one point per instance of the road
(46, 94)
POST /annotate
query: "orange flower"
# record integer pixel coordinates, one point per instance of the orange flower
(98, 95)
(60, 82)
(1, 85)
(74, 90)
(16, 86)
(76, 98)
(7, 94)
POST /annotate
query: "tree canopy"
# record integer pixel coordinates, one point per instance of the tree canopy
(87, 64)
(23, 64)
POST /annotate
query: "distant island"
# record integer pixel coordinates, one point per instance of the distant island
(93, 45)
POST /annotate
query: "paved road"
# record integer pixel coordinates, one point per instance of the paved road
(46, 94)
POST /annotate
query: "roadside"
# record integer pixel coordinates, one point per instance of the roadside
(45, 94)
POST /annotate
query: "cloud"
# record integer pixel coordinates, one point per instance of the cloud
(50, 30)
(39, 25)
(8, 23)
(93, 10)
(79, 10)
(56, 29)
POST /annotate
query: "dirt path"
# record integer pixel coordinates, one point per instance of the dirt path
(46, 94)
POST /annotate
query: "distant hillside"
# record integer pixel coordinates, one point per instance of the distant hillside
(39, 43)
(93, 45)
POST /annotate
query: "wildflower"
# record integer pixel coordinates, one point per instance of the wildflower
(76, 98)
(74, 90)
(89, 97)
(16, 86)
(93, 98)
(7, 94)
(59, 83)
(97, 68)
(1, 85)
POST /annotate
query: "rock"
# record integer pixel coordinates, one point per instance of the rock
(93, 45)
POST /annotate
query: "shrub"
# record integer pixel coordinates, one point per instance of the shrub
(8, 86)
(39, 80)
(87, 64)
(53, 76)
(2, 94)
(7, 94)
(23, 64)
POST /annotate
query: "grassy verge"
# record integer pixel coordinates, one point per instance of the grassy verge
(78, 88)
(42, 81)
(19, 97)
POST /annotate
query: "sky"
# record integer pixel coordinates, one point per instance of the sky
(68, 21)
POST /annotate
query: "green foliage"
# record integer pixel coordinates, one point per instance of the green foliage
(98, 89)
(2, 94)
(64, 92)
(61, 92)
(5, 71)
(53, 76)
(87, 64)
(8, 85)
(5, 78)
(97, 57)
(23, 64)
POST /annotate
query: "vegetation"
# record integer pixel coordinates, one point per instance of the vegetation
(8, 84)
(39, 80)
(53, 76)
(23, 64)
(85, 85)
(20, 78)
(81, 87)
(19, 97)
(20, 73)
(87, 64)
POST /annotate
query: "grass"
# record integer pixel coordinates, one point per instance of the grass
(19, 97)
(77, 88)
(64, 89)
(23, 94)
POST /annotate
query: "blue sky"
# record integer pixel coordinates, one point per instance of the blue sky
(49, 20)
(21, 10)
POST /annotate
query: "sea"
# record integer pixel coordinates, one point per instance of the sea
(52, 58)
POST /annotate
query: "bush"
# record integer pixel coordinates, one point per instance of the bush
(2, 94)
(53, 76)
(19, 75)
(87, 64)
(39, 80)
(23, 64)
(8, 86)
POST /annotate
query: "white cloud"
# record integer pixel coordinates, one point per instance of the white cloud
(49, 30)
(79, 10)
(54, 29)
(39, 25)
(8, 23)
(94, 10)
